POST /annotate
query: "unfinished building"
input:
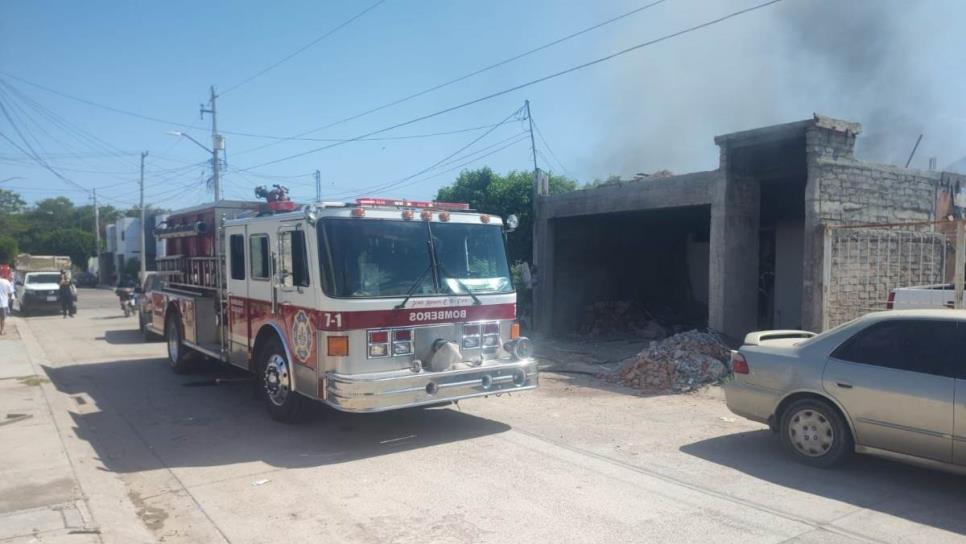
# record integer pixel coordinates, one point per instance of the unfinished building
(747, 246)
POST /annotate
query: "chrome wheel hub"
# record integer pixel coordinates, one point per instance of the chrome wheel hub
(810, 433)
(173, 344)
(276, 379)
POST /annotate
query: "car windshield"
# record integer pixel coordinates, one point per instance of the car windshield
(377, 258)
(43, 278)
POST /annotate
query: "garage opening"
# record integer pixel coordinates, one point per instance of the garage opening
(615, 273)
(779, 167)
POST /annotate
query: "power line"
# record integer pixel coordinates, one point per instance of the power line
(519, 138)
(95, 104)
(528, 83)
(473, 73)
(384, 138)
(32, 153)
(514, 115)
(303, 48)
(546, 145)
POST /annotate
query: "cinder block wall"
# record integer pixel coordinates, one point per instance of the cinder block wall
(843, 191)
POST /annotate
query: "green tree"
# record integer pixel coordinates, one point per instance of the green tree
(73, 242)
(12, 221)
(11, 202)
(490, 192)
(8, 249)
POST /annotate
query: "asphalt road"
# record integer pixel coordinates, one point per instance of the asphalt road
(576, 461)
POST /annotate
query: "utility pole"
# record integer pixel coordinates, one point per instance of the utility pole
(97, 236)
(533, 146)
(318, 186)
(533, 214)
(217, 142)
(144, 254)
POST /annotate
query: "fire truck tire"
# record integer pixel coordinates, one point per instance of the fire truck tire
(178, 356)
(275, 383)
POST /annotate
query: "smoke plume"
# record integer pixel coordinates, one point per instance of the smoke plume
(894, 66)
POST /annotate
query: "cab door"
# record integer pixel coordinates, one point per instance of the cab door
(296, 296)
(238, 329)
(894, 381)
(959, 436)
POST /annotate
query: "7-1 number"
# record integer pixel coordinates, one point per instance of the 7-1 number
(333, 318)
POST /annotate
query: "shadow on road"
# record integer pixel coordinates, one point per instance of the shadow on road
(923, 496)
(139, 416)
(124, 336)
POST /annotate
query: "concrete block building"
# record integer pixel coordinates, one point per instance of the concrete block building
(740, 248)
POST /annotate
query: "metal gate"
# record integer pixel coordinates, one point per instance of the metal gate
(863, 263)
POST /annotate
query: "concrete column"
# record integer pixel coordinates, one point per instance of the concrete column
(733, 281)
(543, 258)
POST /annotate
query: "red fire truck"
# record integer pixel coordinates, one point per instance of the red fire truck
(367, 306)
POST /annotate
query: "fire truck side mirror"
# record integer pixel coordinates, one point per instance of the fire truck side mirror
(512, 222)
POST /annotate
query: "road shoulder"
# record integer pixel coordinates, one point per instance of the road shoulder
(90, 499)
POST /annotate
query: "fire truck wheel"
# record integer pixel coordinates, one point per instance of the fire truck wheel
(275, 383)
(178, 356)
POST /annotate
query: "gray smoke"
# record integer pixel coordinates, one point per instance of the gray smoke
(896, 66)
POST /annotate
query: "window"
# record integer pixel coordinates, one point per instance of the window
(237, 248)
(259, 255)
(294, 264)
(930, 346)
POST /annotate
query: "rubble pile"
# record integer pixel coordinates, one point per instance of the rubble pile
(619, 317)
(679, 363)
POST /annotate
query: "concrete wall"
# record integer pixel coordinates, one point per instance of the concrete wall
(733, 285)
(843, 191)
(789, 265)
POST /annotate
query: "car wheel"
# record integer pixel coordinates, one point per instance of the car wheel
(815, 433)
(275, 383)
(178, 356)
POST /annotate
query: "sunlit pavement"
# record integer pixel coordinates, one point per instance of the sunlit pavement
(195, 459)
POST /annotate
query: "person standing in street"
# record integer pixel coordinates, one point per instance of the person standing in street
(6, 301)
(65, 295)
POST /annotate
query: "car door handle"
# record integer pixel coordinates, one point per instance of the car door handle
(844, 385)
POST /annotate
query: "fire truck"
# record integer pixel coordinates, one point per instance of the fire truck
(368, 306)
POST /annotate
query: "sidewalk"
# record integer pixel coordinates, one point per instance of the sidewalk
(43, 468)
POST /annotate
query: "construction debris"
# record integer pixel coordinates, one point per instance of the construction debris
(680, 363)
(619, 317)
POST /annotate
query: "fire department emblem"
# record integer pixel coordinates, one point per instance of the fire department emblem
(302, 336)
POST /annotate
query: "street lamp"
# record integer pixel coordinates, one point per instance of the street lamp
(189, 137)
(219, 145)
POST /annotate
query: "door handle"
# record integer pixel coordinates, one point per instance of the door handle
(844, 385)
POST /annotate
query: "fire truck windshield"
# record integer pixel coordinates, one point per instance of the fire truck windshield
(386, 258)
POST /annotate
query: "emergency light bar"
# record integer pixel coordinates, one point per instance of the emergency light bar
(391, 202)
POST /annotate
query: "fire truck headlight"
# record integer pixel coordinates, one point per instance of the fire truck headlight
(491, 340)
(378, 350)
(402, 348)
(470, 342)
(521, 348)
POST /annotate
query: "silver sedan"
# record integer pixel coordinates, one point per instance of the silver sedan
(889, 383)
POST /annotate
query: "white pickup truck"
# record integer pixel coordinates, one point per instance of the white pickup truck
(922, 297)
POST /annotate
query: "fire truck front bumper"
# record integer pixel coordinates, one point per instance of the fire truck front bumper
(381, 391)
